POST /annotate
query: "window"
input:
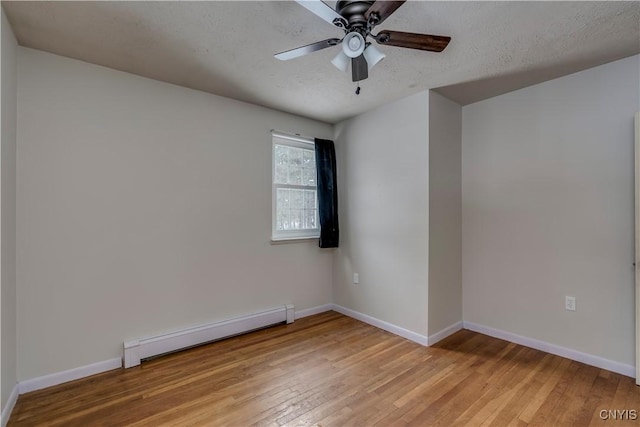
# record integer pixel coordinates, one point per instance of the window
(295, 198)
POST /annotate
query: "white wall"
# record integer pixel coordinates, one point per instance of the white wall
(383, 166)
(143, 207)
(547, 185)
(8, 212)
(445, 213)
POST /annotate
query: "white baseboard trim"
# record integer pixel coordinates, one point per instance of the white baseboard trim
(449, 330)
(69, 375)
(8, 407)
(313, 310)
(389, 327)
(578, 356)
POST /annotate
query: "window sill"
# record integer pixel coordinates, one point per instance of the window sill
(285, 240)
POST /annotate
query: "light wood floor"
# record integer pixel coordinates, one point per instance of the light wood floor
(331, 370)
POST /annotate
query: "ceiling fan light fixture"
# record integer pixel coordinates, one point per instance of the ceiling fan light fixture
(373, 55)
(341, 61)
(353, 44)
(357, 18)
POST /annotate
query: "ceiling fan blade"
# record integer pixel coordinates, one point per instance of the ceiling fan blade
(381, 10)
(324, 11)
(413, 40)
(359, 68)
(305, 50)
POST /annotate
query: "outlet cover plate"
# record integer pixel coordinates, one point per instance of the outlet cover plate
(570, 303)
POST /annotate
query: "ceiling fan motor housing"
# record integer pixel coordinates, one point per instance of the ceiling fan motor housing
(354, 10)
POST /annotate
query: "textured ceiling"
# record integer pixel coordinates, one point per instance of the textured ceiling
(227, 48)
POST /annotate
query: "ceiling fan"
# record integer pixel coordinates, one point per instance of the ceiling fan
(357, 18)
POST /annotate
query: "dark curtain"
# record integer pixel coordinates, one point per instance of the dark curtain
(327, 193)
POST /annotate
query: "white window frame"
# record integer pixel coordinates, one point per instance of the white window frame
(278, 138)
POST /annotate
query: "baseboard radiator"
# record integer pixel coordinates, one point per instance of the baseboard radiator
(137, 350)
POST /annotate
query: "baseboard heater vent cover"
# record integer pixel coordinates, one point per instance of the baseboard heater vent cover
(136, 350)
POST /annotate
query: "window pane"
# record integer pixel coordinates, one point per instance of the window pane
(310, 219)
(308, 176)
(309, 165)
(281, 174)
(295, 175)
(295, 156)
(282, 209)
(296, 209)
(281, 164)
(296, 219)
(309, 199)
(309, 159)
(297, 199)
(282, 154)
(295, 166)
(283, 198)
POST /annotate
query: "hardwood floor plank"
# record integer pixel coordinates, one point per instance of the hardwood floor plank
(331, 370)
(549, 383)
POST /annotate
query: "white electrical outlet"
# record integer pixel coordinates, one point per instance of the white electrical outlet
(570, 303)
(356, 278)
